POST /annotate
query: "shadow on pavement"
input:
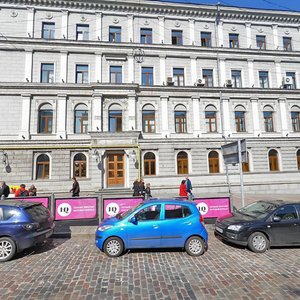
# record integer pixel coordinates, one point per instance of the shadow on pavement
(156, 250)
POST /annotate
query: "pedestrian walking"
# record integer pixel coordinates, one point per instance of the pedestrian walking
(75, 190)
(148, 192)
(135, 188)
(182, 189)
(189, 188)
(142, 188)
(4, 190)
(32, 190)
(22, 192)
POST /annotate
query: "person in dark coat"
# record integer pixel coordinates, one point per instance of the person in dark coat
(32, 190)
(75, 188)
(148, 191)
(142, 188)
(135, 188)
(4, 190)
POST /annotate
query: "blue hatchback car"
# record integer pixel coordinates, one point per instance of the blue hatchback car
(22, 225)
(155, 223)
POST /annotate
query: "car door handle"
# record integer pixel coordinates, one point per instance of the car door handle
(187, 223)
(155, 226)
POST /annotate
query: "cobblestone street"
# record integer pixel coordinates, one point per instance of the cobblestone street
(75, 269)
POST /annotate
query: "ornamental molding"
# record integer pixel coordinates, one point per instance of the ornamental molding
(48, 15)
(166, 9)
(110, 101)
(13, 13)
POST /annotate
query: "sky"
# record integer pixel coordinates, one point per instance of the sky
(290, 5)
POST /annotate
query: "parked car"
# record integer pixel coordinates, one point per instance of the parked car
(262, 224)
(22, 225)
(155, 223)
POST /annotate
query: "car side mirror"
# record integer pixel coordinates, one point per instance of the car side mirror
(133, 220)
(276, 219)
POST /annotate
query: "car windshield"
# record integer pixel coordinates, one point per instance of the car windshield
(125, 214)
(258, 209)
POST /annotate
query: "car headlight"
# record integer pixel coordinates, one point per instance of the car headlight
(103, 228)
(235, 227)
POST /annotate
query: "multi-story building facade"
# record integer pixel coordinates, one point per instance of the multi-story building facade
(109, 91)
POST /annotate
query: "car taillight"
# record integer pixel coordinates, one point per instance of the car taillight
(201, 219)
(31, 226)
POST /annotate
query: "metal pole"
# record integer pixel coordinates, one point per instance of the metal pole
(241, 173)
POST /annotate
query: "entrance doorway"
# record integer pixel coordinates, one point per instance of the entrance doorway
(115, 169)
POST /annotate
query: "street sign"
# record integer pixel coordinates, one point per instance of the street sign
(231, 152)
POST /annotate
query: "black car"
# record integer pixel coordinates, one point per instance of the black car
(262, 224)
(22, 225)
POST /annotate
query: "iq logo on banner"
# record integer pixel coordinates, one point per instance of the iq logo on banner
(203, 208)
(64, 209)
(112, 209)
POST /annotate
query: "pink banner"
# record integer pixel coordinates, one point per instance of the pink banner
(111, 207)
(43, 200)
(75, 208)
(213, 207)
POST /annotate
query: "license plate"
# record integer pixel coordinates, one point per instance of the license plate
(219, 229)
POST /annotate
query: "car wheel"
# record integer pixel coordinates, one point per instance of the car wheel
(7, 249)
(195, 246)
(113, 247)
(258, 242)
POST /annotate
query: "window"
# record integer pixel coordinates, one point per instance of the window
(239, 113)
(298, 159)
(82, 32)
(115, 119)
(273, 160)
(287, 212)
(147, 76)
(149, 164)
(48, 31)
(115, 74)
(182, 163)
(114, 34)
(82, 74)
(236, 78)
(79, 165)
(261, 42)
(173, 211)
(287, 43)
(233, 40)
(268, 118)
(206, 39)
(180, 119)
(245, 165)
(149, 213)
(211, 118)
(176, 37)
(81, 119)
(47, 73)
(263, 79)
(45, 119)
(207, 74)
(148, 116)
(295, 115)
(178, 76)
(293, 83)
(213, 162)
(42, 166)
(146, 36)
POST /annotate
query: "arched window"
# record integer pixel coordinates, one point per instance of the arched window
(268, 118)
(211, 118)
(298, 159)
(45, 118)
(180, 119)
(182, 163)
(149, 164)
(273, 160)
(81, 119)
(115, 118)
(213, 162)
(148, 118)
(79, 165)
(295, 116)
(239, 115)
(42, 166)
(245, 165)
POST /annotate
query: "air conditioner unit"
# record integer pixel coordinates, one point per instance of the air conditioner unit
(200, 82)
(228, 83)
(288, 80)
(170, 81)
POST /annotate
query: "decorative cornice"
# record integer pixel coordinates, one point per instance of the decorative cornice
(167, 9)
